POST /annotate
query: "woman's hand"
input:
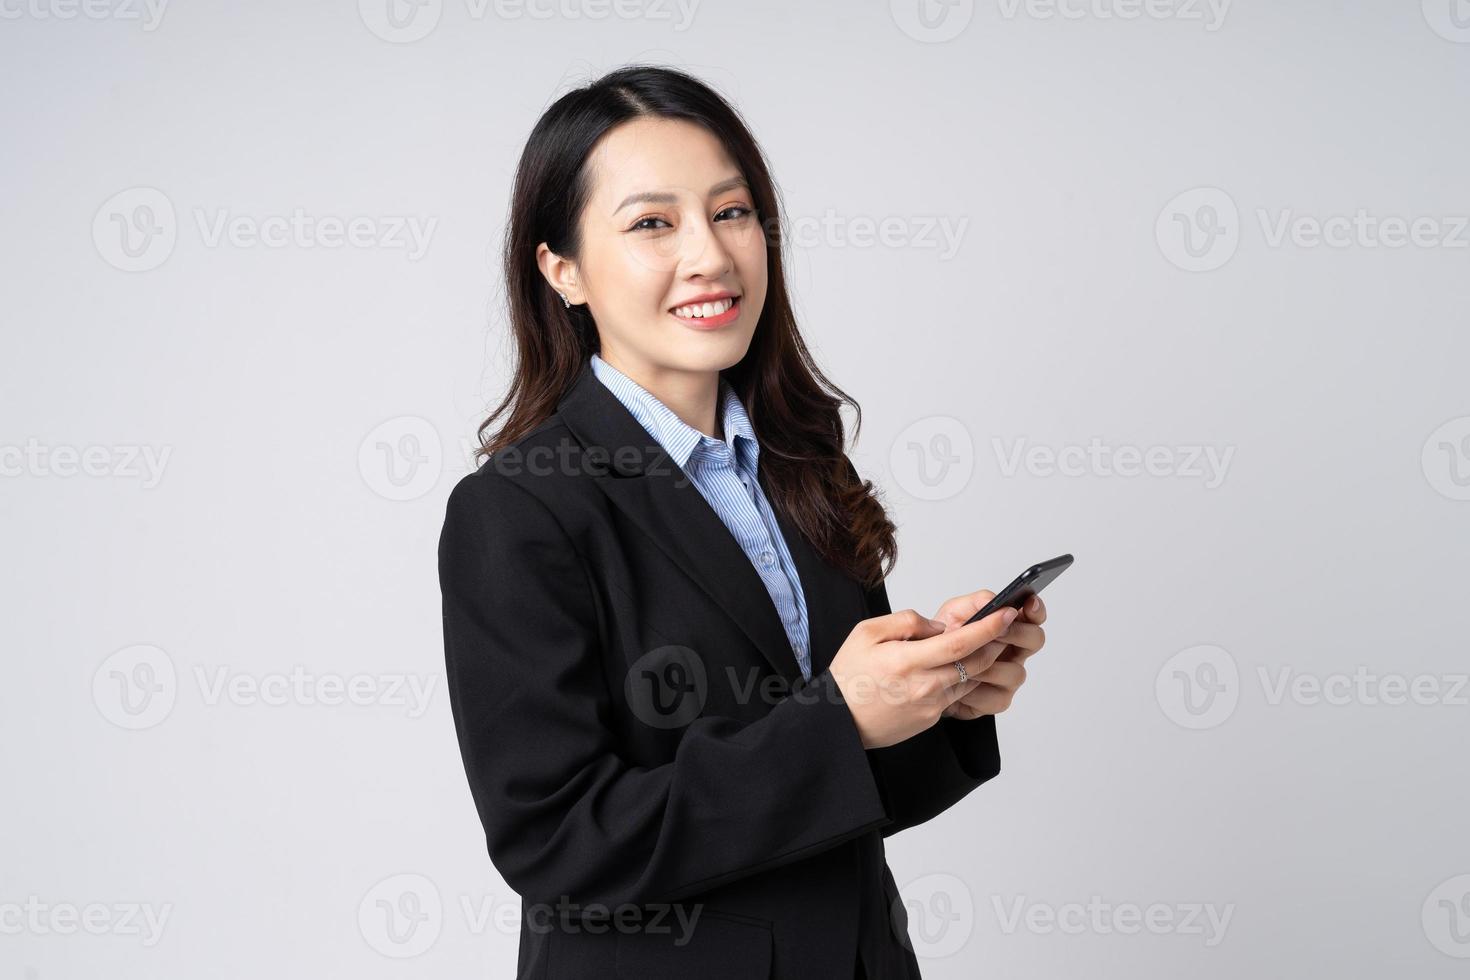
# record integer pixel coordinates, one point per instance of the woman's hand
(897, 673)
(1007, 654)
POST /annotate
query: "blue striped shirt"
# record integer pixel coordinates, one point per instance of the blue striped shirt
(725, 473)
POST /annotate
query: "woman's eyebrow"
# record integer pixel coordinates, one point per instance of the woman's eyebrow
(664, 197)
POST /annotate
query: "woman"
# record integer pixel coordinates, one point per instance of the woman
(687, 713)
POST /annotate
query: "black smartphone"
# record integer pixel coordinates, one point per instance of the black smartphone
(1026, 585)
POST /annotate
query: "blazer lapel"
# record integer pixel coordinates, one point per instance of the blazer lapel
(649, 487)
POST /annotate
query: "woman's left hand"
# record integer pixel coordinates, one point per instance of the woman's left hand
(1001, 680)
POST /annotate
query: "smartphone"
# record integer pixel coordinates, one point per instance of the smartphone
(1026, 585)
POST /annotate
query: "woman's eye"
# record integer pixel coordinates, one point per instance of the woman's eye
(645, 224)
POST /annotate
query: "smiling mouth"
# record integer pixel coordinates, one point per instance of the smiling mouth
(707, 311)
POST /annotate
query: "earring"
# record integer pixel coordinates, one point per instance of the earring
(565, 302)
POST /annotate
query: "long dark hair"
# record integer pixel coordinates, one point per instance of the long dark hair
(793, 407)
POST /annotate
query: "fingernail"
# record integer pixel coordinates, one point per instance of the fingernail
(1008, 616)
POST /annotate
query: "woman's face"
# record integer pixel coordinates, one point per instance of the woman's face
(669, 220)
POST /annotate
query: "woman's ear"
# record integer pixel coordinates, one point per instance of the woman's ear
(561, 273)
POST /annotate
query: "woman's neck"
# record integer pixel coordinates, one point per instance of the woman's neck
(691, 395)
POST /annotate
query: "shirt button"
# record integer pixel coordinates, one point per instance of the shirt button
(767, 558)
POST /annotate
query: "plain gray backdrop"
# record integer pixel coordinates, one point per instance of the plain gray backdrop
(1177, 287)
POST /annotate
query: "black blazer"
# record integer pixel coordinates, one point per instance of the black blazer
(637, 732)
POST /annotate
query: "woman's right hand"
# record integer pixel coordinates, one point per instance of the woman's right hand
(897, 673)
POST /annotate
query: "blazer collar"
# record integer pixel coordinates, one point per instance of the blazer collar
(641, 479)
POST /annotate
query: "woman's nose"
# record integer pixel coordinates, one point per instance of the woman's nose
(703, 253)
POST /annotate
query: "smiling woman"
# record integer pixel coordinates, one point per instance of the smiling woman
(640, 195)
(665, 620)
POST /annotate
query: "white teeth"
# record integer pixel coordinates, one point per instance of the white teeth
(701, 310)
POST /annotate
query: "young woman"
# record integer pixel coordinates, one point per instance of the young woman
(688, 715)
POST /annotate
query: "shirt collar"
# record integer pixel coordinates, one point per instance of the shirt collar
(679, 439)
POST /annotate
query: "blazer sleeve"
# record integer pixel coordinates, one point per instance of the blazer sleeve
(921, 777)
(564, 814)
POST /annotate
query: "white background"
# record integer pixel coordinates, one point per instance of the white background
(315, 405)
